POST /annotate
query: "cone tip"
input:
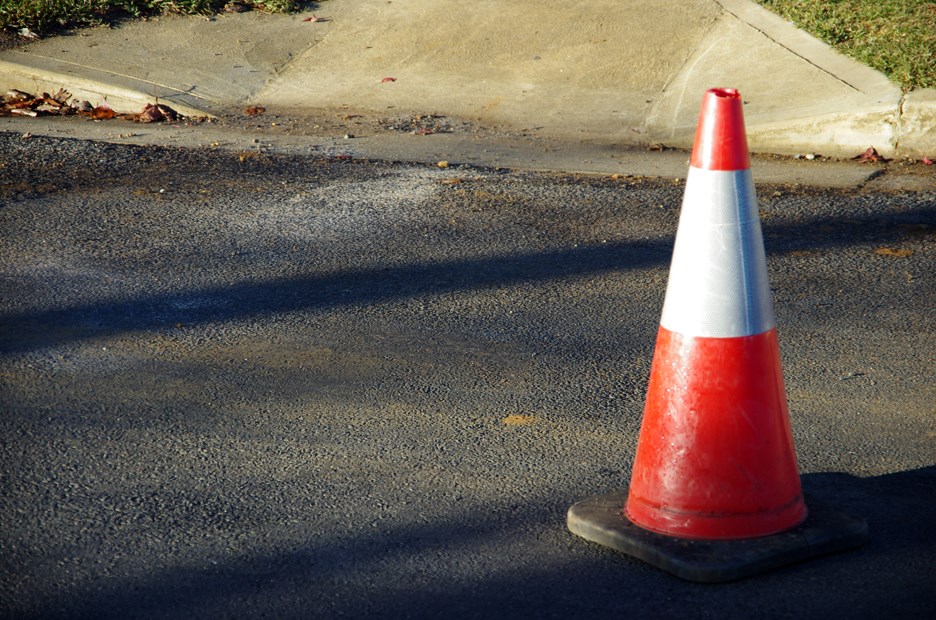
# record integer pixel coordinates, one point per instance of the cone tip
(720, 140)
(730, 93)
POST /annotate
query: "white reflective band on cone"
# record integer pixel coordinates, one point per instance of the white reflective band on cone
(718, 285)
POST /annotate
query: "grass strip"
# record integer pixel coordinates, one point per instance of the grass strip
(896, 37)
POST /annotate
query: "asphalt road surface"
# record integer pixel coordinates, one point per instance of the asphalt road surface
(236, 384)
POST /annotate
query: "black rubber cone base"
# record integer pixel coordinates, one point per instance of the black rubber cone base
(826, 530)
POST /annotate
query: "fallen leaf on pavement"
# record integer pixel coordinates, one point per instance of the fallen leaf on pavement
(156, 113)
(102, 112)
(388, 79)
(314, 19)
(255, 110)
(900, 252)
(518, 420)
(870, 155)
(442, 164)
(927, 161)
(60, 97)
(27, 104)
(13, 96)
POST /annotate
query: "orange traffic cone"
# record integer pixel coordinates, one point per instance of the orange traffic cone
(715, 460)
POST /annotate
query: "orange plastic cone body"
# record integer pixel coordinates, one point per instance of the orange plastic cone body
(715, 457)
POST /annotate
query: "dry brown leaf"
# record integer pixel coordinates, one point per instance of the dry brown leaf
(26, 104)
(245, 155)
(155, 113)
(14, 95)
(61, 96)
(255, 110)
(870, 155)
(899, 252)
(102, 112)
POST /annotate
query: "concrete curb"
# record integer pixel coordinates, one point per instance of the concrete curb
(815, 52)
(124, 94)
(917, 127)
(801, 95)
(868, 106)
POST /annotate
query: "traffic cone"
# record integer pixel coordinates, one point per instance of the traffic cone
(715, 457)
(715, 462)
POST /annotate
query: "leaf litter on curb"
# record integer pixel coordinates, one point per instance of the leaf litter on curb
(18, 103)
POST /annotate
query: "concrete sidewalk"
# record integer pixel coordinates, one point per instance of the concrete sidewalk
(609, 72)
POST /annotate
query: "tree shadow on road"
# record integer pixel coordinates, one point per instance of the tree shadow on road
(26, 331)
(467, 566)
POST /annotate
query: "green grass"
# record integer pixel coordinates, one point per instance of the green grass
(896, 37)
(45, 16)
